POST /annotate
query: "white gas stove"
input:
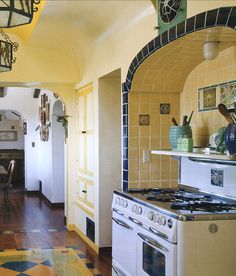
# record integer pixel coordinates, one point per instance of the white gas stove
(178, 232)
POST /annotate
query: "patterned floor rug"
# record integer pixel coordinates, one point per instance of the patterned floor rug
(56, 262)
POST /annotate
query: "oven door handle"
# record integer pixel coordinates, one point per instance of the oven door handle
(152, 242)
(123, 224)
(136, 221)
(158, 233)
(117, 211)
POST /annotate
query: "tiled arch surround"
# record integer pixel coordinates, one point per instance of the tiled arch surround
(221, 17)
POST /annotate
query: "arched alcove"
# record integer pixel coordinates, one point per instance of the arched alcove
(163, 66)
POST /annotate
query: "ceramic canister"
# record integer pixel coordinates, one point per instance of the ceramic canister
(177, 132)
(230, 138)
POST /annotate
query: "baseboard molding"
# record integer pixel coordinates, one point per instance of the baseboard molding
(72, 227)
(105, 250)
(38, 193)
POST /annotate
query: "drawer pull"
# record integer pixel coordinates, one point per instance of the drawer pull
(83, 191)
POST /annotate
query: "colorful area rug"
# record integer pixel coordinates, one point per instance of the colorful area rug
(57, 262)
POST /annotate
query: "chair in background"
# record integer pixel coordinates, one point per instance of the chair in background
(7, 183)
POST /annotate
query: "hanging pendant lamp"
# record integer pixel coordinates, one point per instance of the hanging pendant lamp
(16, 12)
(6, 52)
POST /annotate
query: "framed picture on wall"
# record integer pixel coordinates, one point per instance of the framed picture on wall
(8, 135)
(207, 98)
(228, 93)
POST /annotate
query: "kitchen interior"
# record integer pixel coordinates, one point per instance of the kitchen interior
(178, 211)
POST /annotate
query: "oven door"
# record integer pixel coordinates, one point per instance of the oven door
(123, 246)
(155, 256)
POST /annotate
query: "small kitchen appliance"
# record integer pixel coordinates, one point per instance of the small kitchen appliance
(182, 231)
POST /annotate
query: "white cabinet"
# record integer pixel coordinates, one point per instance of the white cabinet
(85, 173)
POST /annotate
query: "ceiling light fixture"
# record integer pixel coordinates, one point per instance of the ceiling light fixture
(6, 52)
(210, 50)
(16, 12)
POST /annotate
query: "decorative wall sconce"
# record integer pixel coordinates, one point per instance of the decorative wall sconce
(6, 52)
(16, 12)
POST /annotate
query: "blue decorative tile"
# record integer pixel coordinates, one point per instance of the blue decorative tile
(90, 265)
(151, 46)
(157, 42)
(145, 51)
(200, 21)
(125, 109)
(125, 185)
(125, 97)
(125, 131)
(125, 175)
(172, 33)
(125, 120)
(19, 266)
(125, 153)
(211, 18)
(125, 164)
(129, 76)
(131, 68)
(82, 256)
(140, 57)
(135, 62)
(190, 24)
(223, 16)
(47, 263)
(164, 38)
(181, 29)
(232, 18)
(125, 142)
(124, 87)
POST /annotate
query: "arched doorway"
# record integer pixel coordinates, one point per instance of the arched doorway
(12, 144)
(164, 64)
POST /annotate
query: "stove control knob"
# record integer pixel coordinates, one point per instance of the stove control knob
(118, 200)
(134, 208)
(170, 223)
(122, 202)
(151, 215)
(139, 210)
(162, 220)
(125, 203)
(156, 218)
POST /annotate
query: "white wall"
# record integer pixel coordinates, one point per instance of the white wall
(21, 100)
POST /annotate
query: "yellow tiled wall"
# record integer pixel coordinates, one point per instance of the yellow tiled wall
(217, 71)
(162, 171)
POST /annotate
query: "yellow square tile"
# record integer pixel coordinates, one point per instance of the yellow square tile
(39, 270)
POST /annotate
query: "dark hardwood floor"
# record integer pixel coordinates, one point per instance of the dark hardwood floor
(30, 222)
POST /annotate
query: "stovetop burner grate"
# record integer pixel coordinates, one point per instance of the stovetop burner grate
(204, 206)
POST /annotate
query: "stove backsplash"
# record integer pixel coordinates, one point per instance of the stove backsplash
(211, 177)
